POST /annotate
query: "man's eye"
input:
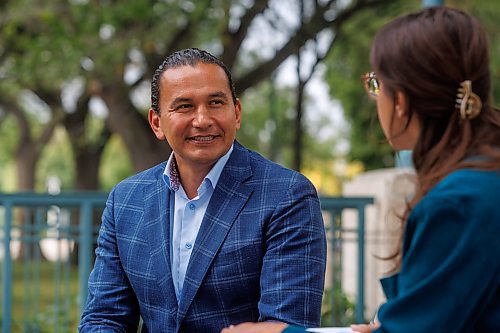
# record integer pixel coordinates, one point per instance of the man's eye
(183, 106)
(216, 102)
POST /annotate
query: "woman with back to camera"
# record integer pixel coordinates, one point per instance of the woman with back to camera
(432, 84)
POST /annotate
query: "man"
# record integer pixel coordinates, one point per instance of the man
(217, 235)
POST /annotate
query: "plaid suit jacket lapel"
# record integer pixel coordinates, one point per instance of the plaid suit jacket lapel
(229, 197)
(157, 229)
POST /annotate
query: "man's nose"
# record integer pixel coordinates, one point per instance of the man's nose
(202, 117)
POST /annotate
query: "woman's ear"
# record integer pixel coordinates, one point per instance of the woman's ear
(401, 105)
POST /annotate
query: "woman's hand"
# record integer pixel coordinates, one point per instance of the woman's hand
(365, 328)
(255, 328)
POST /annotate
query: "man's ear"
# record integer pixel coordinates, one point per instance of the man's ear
(401, 105)
(154, 122)
(237, 110)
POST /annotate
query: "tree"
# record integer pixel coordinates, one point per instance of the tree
(350, 59)
(32, 137)
(88, 137)
(41, 57)
(227, 35)
(114, 47)
(347, 62)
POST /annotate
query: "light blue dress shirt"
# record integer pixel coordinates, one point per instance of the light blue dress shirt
(188, 215)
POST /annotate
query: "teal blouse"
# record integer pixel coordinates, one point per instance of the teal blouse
(450, 274)
(294, 329)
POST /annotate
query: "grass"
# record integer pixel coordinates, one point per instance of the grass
(45, 297)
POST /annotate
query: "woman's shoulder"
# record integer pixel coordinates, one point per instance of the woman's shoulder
(467, 184)
(468, 176)
(464, 197)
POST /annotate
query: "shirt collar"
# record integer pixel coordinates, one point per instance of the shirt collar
(171, 173)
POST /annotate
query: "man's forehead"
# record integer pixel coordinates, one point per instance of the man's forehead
(201, 74)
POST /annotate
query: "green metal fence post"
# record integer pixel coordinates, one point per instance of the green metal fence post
(85, 251)
(335, 206)
(334, 245)
(7, 269)
(360, 304)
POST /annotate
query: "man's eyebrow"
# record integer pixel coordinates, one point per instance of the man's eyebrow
(180, 100)
(219, 94)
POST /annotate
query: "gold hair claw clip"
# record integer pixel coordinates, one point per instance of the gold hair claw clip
(469, 103)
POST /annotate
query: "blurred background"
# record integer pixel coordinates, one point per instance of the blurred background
(75, 78)
(75, 89)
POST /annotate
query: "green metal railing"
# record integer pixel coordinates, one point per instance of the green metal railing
(68, 221)
(336, 234)
(45, 293)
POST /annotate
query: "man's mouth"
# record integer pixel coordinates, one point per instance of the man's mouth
(204, 138)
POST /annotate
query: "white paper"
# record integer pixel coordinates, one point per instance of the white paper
(331, 330)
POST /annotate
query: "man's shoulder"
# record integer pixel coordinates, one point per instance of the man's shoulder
(263, 168)
(143, 178)
(257, 161)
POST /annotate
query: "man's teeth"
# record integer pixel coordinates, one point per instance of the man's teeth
(203, 138)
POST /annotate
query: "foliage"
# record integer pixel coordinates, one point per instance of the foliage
(264, 128)
(267, 120)
(350, 59)
(116, 164)
(488, 12)
(56, 161)
(41, 305)
(112, 48)
(7, 143)
(337, 308)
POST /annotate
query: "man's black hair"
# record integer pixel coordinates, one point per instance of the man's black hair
(191, 57)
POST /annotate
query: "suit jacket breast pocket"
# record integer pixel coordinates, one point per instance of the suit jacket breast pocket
(248, 254)
(238, 262)
(236, 274)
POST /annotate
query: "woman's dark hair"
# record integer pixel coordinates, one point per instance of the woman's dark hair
(426, 55)
(186, 57)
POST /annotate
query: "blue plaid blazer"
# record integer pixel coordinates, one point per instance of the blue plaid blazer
(260, 254)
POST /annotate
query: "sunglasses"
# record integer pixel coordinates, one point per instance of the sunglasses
(372, 84)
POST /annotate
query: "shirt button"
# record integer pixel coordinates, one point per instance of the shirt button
(189, 246)
(192, 206)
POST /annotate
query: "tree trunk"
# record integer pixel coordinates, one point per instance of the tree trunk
(299, 131)
(87, 162)
(273, 116)
(145, 150)
(87, 155)
(27, 154)
(26, 160)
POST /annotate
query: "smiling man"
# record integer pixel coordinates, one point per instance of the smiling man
(217, 234)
